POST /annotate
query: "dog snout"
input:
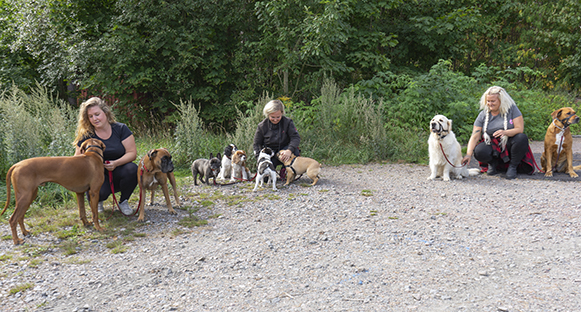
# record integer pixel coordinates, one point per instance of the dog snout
(166, 165)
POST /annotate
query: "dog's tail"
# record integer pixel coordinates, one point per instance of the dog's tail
(8, 179)
(577, 167)
(473, 172)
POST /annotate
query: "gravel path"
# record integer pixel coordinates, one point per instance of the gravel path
(376, 237)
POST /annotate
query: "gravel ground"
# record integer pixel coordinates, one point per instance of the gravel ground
(376, 237)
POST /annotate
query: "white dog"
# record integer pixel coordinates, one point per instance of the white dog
(265, 168)
(226, 167)
(443, 139)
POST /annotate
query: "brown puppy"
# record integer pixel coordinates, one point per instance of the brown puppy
(559, 143)
(78, 174)
(239, 170)
(298, 165)
(154, 170)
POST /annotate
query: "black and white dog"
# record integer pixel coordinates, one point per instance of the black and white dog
(265, 168)
(226, 167)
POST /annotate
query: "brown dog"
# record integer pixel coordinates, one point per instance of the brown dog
(559, 143)
(239, 169)
(298, 165)
(154, 169)
(78, 174)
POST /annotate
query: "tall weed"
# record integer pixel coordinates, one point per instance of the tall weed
(192, 140)
(35, 124)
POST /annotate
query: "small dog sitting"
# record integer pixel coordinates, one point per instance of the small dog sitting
(442, 135)
(297, 165)
(208, 168)
(226, 168)
(265, 168)
(239, 170)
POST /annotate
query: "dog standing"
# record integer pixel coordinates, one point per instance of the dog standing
(559, 144)
(265, 168)
(155, 169)
(297, 165)
(78, 174)
(208, 168)
(443, 138)
(226, 166)
(239, 170)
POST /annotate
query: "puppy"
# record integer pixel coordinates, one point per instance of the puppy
(226, 167)
(265, 168)
(559, 144)
(442, 135)
(297, 165)
(154, 170)
(239, 170)
(208, 168)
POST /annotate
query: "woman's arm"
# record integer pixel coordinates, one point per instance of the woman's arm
(129, 156)
(519, 127)
(474, 138)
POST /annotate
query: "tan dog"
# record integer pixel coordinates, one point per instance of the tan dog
(559, 143)
(154, 169)
(239, 169)
(78, 174)
(298, 165)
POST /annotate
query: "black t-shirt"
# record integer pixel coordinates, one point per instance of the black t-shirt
(114, 148)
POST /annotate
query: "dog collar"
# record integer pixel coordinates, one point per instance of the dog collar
(290, 166)
(562, 129)
(97, 146)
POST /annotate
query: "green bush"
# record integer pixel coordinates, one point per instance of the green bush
(192, 140)
(33, 125)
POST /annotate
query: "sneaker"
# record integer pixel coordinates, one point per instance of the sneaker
(100, 207)
(125, 209)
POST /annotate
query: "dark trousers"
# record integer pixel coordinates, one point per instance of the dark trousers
(124, 181)
(517, 147)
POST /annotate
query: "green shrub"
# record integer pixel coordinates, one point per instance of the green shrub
(35, 124)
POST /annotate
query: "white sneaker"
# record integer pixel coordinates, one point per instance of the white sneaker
(124, 206)
(100, 207)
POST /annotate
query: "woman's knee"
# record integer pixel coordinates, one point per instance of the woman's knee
(483, 152)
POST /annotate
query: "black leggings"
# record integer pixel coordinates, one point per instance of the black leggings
(517, 147)
(124, 181)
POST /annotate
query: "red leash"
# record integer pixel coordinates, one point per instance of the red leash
(442, 148)
(115, 199)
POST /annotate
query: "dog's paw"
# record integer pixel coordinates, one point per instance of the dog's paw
(573, 174)
(549, 174)
(431, 178)
(446, 178)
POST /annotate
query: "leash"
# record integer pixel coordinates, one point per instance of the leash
(442, 148)
(115, 198)
(239, 180)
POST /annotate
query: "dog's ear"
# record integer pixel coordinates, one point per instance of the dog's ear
(557, 113)
(211, 155)
(218, 156)
(152, 153)
(449, 124)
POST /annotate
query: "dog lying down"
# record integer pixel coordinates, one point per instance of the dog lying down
(442, 134)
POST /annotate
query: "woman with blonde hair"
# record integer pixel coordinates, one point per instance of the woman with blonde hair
(277, 132)
(498, 141)
(97, 121)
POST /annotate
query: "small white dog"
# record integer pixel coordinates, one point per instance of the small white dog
(226, 167)
(265, 168)
(442, 135)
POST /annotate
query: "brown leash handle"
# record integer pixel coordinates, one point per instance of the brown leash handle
(442, 148)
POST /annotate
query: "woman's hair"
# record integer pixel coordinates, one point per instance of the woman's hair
(84, 126)
(506, 101)
(273, 106)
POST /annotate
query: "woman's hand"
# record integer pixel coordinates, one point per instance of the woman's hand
(110, 165)
(466, 160)
(499, 133)
(285, 155)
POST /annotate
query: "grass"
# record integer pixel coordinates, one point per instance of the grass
(20, 288)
